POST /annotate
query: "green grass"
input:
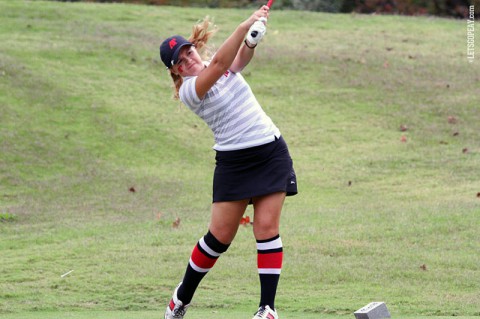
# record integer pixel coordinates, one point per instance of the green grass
(199, 313)
(86, 113)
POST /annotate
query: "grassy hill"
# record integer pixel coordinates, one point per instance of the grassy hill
(97, 161)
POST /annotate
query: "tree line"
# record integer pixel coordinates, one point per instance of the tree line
(446, 8)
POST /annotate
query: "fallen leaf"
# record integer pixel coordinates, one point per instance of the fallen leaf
(478, 194)
(452, 119)
(403, 139)
(176, 223)
(423, 267)
(158, 216)
(132, 189)
(403, 128)
(465, 150)
(349, 183)
(456, 133)
(443, 142)
(245, 220)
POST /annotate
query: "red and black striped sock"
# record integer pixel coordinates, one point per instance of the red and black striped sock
(204, 256)
(269, 261)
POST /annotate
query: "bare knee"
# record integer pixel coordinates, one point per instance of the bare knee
(226, 219)
(267, 210)
(223, 234)
(264, 231)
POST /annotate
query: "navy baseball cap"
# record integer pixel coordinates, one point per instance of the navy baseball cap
(170, 48)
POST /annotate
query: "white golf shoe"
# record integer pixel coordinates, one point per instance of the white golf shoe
(175, 309)
(265, 312)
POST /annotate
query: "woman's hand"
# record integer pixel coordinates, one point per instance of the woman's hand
(256, 32)
(260, 13)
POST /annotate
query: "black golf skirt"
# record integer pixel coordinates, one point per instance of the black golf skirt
(256, 171)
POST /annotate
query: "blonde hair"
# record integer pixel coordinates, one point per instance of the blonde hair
(200, 36)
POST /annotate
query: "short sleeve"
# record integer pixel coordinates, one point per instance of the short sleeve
(188, 94)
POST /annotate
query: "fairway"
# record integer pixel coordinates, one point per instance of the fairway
(199, 314)
(105, 180)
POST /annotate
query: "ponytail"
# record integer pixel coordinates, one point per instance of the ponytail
(199, 38)
(201, 35)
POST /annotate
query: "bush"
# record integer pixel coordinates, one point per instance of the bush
(454, 8)
(318, 5)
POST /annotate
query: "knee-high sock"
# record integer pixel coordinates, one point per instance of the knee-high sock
(204, 256)
(269, 261)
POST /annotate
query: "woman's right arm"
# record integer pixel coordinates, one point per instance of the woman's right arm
(225, 55)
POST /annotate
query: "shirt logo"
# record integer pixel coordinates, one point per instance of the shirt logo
(226, 74)
(172, 43)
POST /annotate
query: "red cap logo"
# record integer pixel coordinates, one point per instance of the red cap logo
(172, 43)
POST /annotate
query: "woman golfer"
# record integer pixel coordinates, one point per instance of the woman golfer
(253, 165)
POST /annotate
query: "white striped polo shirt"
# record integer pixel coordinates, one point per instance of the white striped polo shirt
(231, 111)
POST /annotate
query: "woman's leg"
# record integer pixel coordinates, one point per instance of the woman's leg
(224, 224)
(266, 224)
(226, 218)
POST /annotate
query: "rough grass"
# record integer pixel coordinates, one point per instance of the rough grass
(97, 162)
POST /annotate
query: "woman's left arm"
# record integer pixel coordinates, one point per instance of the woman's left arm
(242, 59)
(247, 50)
